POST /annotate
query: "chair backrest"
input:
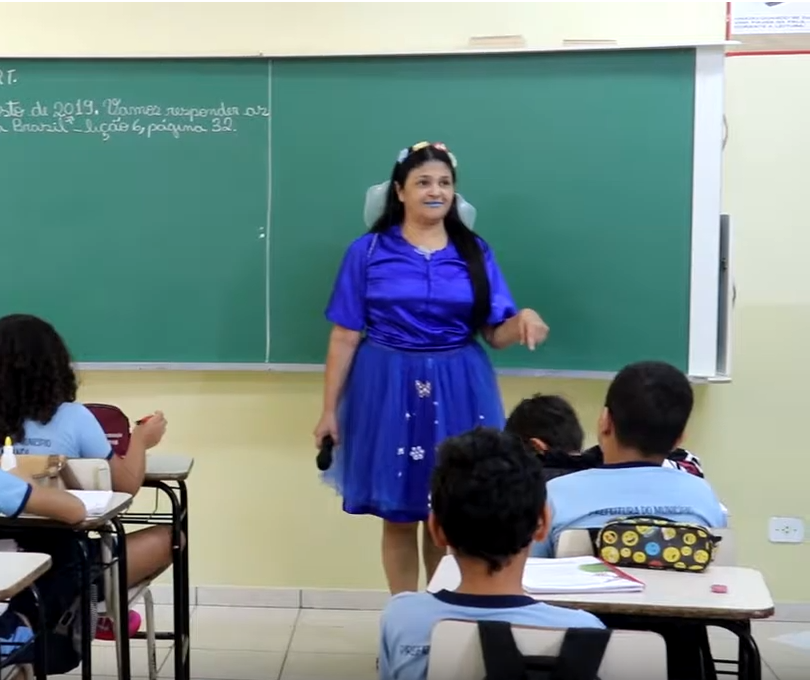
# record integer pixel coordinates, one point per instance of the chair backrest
(577, 543)
(61, 472)
(574, 543)
(455, 651)
(90, 474)
(115, 424)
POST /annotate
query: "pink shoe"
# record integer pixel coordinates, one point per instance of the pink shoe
(104, 629)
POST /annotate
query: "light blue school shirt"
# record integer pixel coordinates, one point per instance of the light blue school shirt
(73, 432)
(408, 620)
(589, 499)
(14, 494)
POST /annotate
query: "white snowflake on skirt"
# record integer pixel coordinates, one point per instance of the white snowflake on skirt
(417, 453)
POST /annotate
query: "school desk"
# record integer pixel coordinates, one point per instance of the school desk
(18, 571)
(669, 597)
(168, 473)
(107, 522)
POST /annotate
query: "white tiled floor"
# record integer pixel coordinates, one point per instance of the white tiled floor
(231, 643)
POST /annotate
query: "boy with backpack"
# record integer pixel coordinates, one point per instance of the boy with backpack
(488, 502)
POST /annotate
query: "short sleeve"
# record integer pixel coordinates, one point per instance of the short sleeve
(720, 513)
(90, 436)
(14, 494)
(347, 304)
(502, 306)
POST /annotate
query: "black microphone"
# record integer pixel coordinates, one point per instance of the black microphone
(324, 457)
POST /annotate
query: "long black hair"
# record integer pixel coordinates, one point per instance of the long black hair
(465, 241)
(36, 375)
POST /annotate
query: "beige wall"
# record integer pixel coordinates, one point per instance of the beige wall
(255, 495)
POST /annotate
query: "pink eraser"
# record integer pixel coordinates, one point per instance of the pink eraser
(717, 588)
(142, 420)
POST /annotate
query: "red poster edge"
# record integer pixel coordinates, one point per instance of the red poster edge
(764, 53)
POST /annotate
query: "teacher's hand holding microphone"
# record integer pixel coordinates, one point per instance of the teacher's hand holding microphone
(404, 370)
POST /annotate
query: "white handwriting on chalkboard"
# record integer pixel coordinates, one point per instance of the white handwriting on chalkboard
(114, 117)
(8, 77)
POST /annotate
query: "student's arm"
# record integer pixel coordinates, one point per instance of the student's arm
(18, 494)
(128, 471)
(55, 504)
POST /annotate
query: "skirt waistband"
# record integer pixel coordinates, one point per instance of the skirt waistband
(425, 353)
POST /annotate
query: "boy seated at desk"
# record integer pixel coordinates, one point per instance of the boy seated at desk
(646, 410)
(18, 495)
(549, 424)
(488, 501)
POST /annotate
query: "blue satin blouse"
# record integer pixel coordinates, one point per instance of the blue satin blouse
(406, 299)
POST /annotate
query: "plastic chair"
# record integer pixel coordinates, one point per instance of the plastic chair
(455, 651)
(94, 475)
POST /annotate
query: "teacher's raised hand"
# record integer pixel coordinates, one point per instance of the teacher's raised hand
(525, 328)
(532, 329)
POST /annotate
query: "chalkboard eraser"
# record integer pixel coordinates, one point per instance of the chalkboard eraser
(494, 42)
(589, 42)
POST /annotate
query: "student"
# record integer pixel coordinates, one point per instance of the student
(549, 424)
(647, 407)
(19, 495)
(39, 411)
(488, 502)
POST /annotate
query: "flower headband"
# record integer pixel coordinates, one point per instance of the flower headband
(407, 151)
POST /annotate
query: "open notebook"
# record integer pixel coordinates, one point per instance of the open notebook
(95, 502)
(576, 575)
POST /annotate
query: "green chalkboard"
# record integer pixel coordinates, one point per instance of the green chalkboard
(134, 198)
(580, 166)
(195, 211)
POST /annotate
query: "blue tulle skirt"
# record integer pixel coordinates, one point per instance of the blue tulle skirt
(397, 407)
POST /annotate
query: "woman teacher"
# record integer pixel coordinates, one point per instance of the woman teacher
(404, 370)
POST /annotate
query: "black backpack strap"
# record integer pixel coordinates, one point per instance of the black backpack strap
(580, 655)
(502, 658)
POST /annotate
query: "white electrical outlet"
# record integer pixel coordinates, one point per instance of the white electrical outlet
(786, 530)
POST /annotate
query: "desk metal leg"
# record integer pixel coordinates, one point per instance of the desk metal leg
(41, 640)
(124, 668)
(750, 661)
(84, 608)
(184, 571)
(750, 658)
(180, 578)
